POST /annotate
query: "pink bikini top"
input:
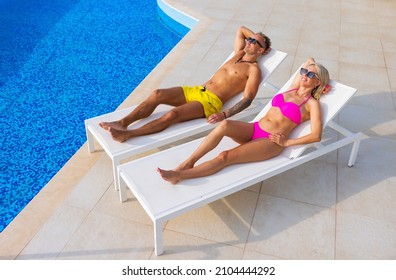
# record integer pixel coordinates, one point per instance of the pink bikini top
(289, 109)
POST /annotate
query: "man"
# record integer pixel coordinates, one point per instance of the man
(240, 73)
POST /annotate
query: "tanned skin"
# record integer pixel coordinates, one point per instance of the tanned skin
(240, 73)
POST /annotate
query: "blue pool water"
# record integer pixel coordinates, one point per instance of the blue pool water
(64, 61)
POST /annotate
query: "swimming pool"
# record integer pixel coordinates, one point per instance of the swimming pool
(64, 61)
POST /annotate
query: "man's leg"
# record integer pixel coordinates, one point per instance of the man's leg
(185, 112)
(170, 96)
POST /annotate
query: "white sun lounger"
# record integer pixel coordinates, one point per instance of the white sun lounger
(122, 151)
(163, 201)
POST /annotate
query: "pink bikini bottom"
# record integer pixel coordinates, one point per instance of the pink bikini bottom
(258, 132)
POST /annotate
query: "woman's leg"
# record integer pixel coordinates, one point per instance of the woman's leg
(252, 151)
(240, 132)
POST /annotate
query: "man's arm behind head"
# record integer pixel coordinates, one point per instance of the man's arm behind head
(239, 41)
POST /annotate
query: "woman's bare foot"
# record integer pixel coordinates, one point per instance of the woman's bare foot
(184, 166)
(116, 125)
(169, 175)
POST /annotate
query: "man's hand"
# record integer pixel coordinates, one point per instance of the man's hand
(216, 118)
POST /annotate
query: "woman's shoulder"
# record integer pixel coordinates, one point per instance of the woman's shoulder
(313, 103)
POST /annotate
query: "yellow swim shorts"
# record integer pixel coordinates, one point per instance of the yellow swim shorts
(211, 103)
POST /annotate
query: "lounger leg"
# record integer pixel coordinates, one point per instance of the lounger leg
(158, 238)
(123, 188)
(354, 151)
(90, 139)
(116, 162)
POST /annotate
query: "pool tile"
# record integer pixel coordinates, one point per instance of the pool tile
(89, 190)
(313, 183)
(364, 238)
(253, 255)
(131, 209)
(179, 246)
(226, 220)
(375, 124)
(363, 190)
(112, 238)
(292, 230)
(55, 234)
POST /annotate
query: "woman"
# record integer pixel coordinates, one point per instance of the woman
(266, 138)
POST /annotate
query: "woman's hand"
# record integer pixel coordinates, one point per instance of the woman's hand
(278, 138)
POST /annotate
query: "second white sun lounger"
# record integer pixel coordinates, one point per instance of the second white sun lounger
(163, 201)
(122, 151)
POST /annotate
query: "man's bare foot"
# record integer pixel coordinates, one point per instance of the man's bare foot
(120, 135)
(116, 125)
(169, 175)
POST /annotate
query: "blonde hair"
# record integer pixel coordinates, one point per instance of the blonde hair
(324, 79)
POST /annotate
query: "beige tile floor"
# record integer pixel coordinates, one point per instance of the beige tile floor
(320, 210)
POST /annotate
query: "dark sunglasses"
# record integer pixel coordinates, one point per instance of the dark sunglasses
(253, 41)
(309, 74)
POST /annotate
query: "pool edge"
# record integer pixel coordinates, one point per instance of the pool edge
(17, 235)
